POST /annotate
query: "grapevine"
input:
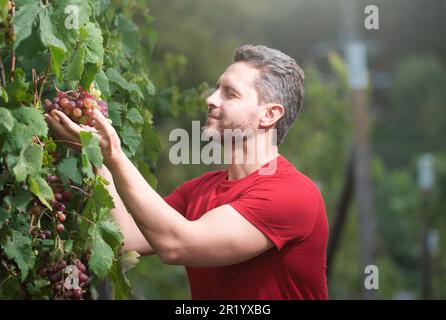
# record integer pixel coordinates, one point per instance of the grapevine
(58, 239)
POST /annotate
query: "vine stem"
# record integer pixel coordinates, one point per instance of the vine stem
(35, 80)
(69, 142)
(13, 59)
(41, 144)
(42, 85)
(79, 215)
(80, 189)
(2, 73)
(9, 270)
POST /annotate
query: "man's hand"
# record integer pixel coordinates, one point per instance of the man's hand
(69, 132)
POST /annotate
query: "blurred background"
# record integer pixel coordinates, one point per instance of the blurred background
(371, 134)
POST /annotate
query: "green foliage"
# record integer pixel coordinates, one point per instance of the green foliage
(106, 51)
(414, 121)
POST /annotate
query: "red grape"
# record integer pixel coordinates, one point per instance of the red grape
(77, 112)
(60, 228)
(81, 266)
(58, 206)
(51, 179)
(88, 103)
(71, 105)
(76, 294)
(43, 272)
(64, 102)
(78, 105)
(61, 216)
(66, 195)
(83, 278)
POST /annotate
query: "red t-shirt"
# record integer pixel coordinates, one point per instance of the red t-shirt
(288, 208)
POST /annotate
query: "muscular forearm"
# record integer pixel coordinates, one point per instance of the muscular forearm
(162, 226)
(133, 238)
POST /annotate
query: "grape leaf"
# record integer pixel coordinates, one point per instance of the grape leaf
(57, 59)
(19, 200)
(121, 285)
(128, 260)
(29, 162)
(87, 167)
(135, 88)
(76, 67)
(10, 288)
(101, 259)
(114, 76)
(111, 234)
(151, 143)
(18, 139)
(101, 197)
(134, 116)
(4, 94)
(89, 74)
(114, 111)
(68, 246)
(46, 31)
(41, 189)
(18, 89)
(7, 121)
(130, 138)
(4, 216)
(130, 35)
(90, 148)
(19, 248)
(68, 169)
(4, 178)
(24, 19)
(91, 39)
(150, 87)
(39, 288)
(150, 137)
(33, 118)
(102, 83)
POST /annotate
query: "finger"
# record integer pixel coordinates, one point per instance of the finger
(58, 129)
(101, 121)
(51, 116)
(72, 127)
(88, 128)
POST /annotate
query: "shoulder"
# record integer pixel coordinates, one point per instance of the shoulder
(207, 178)
(288, 180)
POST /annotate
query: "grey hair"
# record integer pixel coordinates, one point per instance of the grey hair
(281, 81)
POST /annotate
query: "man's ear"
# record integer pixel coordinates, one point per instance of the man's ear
(271, 114)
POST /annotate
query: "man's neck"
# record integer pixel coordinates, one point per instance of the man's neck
(238, 171)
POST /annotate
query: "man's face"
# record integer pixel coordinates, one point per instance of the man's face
(235, 104)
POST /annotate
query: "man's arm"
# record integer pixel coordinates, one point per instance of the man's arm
(221, 237)
(133, 238)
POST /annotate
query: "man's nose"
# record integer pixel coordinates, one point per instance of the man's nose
(213, 101)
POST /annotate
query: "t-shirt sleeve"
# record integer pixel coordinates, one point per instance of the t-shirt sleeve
(282, 211)
(178, 199)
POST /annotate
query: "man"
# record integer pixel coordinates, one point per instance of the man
(244, 232)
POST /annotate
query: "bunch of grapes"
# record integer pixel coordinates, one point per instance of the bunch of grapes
(55, 273)
(61, 197)
(78, 105)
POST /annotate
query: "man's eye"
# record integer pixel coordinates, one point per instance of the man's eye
(230, 94)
